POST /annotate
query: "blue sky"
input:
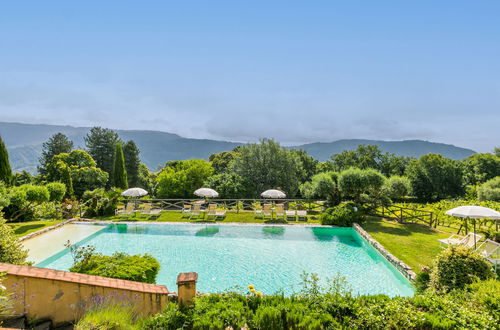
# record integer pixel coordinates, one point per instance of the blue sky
(297, 71)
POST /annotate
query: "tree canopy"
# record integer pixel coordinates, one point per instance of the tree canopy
(100, 143)
(266, 165)
(435, 177)
(57, 144)
(179, 179)
(480, 168)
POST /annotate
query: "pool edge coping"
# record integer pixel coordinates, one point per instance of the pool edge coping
(403, 268)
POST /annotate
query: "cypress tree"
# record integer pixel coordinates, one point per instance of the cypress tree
(119, 172)
(5, 170)
(100, 143)
(68, 181)
(132, 163)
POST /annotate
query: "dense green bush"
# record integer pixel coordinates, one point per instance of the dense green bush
(396, 187)
(456, 267)
(139, 268)
(343, 215)
(11, 250)
(100, 202)
(20, 202)
(56, 190)
(322, 186)
(490, 190)
(170, 318)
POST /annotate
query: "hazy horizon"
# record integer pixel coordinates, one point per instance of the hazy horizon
(298, 72)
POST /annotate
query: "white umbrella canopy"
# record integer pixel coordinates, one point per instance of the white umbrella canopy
(273, 193)
(206, 192)
(474, 212)
(134, 192)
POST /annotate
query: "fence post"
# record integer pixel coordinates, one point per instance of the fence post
(186, 288)
(401, 214)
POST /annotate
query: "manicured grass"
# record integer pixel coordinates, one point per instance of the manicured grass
(25, 228)
(413, 244)
(176, 216)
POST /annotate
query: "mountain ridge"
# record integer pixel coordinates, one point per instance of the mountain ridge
(24, 143)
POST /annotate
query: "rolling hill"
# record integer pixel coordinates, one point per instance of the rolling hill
(24, 143)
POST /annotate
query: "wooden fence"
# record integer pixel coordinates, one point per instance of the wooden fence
(407, 215)
(234, 204)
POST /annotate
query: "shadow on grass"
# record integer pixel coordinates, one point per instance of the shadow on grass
(379, 226)
(24, 229)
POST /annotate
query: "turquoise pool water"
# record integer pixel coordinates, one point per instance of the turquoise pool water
(234, 256)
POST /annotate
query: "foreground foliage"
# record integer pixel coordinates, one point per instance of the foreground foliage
(11, 250)
(476, 307)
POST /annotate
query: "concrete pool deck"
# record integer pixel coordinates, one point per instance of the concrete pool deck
(53, 241)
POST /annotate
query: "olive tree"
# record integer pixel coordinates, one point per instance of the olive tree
(435, 177)
(267, 165)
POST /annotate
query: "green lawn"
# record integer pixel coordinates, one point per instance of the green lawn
(176, 216)
(413, 244)
(24, 228)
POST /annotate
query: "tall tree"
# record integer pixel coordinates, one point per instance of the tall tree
(267, 165)
(56, 145)
(83, 171)
(101, 144)
(179, 179)
(479, 168)
(132, 163)
(435, 177)
(119, 171)
(497, 152)
(5, 170)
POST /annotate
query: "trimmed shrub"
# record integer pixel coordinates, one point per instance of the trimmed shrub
(342, 215)
(139, 268)
(56, 190)
(456, 267)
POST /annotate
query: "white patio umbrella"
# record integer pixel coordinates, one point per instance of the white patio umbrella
(206, 193)
(273, 193)
(134, 192)
(473, 212)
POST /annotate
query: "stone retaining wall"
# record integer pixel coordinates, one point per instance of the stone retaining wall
(401, 266)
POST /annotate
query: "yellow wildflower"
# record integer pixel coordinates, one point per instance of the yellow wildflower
(252, 290)
(250, 287)
(259, 293)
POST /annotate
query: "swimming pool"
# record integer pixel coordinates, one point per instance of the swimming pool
(233, 256)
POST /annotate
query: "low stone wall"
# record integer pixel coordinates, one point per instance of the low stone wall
(401, 266)
(63, 297)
